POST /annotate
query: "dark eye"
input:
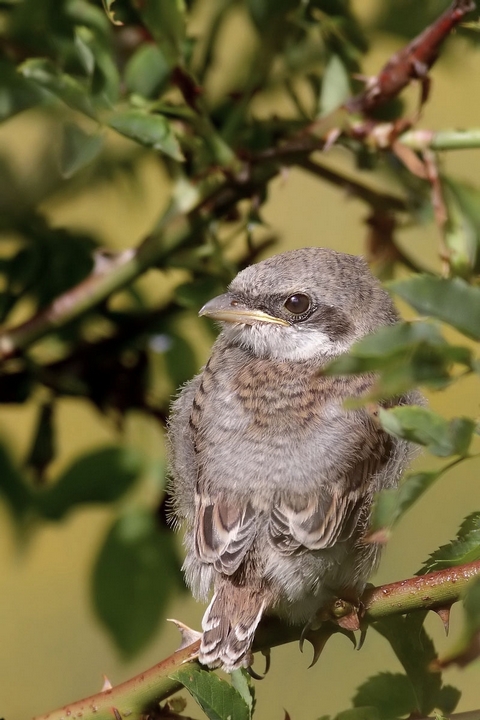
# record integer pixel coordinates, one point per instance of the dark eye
(297, 304)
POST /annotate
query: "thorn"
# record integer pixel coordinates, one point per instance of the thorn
(444, 615)
(363, 635)
(107, 685)
(189, 636)
(318, 639)
(116, 713)
(332, 137)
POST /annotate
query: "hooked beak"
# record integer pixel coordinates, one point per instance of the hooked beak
(227, 309)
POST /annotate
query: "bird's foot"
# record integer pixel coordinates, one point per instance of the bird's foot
(267, 655)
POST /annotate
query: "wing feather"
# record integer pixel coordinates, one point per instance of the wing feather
(224, 532)
(297, 525)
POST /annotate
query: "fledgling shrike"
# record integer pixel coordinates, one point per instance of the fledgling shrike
(273, 476)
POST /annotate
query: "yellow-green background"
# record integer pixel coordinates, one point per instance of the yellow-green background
(52, 647)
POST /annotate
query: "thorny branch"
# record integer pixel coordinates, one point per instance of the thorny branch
(134, 698)
(411, 63)
(181, 227)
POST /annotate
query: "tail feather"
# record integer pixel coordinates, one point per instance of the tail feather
(229, 626)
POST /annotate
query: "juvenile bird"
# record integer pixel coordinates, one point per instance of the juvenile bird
(272, 476)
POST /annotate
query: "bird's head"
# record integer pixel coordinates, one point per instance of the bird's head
(308, 304)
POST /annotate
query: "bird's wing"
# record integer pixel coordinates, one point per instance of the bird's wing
(224, 531)
(298, 524)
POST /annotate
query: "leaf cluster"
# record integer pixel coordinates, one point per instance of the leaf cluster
(118, 83)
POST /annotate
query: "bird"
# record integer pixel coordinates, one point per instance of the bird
(273, 477)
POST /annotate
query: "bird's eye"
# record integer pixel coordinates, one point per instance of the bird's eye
(298, 303)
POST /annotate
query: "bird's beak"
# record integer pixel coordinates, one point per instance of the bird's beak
(227, 309)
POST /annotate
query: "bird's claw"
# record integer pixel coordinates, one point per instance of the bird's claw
(267, 655)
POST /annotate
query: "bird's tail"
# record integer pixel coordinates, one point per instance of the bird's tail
(229, 626)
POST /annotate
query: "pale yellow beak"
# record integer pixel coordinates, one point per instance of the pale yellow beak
(227, 309)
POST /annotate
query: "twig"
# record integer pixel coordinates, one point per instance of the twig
(442, 140)
(375, 198)
(412, 62)
(135, 697)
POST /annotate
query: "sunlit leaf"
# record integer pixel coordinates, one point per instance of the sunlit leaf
(462, 229)
(404, 356)
(335, 86)
(147, 71)
(107, 4)
(148, 129)
(242, 682)
(217, 698)
(444, 299)
(465, 548)
(423, 426)
(133, 578)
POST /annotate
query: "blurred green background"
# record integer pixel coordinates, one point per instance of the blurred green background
(54, 649)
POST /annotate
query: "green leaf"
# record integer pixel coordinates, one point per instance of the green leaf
(99, 477)
(44, 74)
(391, 695)
(392, 503)
(462, 229)
(242, 682)
(218, 699)
(448, 699)
(78, 150)
(133, 578)
(418, 424)
(105, 80)
(359, 713)
(268, 15)
(465, 548)
(107, 4)
(416, 652)
(453, 301)
(16, 92)
(150, 130)
(147, 72)
(403, 356)
(13, 486)
(335, 86)
(166, 22)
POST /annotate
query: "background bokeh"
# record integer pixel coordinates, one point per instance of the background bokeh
(54, 649)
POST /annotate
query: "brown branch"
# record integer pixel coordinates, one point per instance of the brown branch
(177, 229)
(411, 63)
(135, 697)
